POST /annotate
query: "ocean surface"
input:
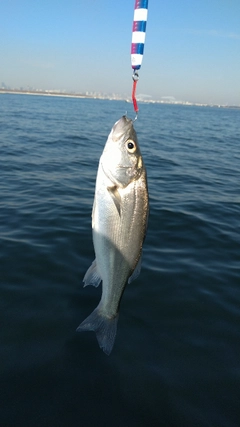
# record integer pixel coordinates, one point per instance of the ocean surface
(176, 358)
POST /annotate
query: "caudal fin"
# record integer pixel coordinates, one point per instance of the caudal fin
(104, 327)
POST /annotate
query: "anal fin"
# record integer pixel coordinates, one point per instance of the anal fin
(92, 276)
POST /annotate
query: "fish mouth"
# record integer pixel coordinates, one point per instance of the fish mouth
(122, 126)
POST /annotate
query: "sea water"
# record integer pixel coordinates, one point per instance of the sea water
(176, 359)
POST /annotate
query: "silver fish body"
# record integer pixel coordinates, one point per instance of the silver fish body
(119, 222)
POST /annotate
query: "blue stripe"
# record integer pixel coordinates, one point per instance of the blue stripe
(137, 48)
(139, 26)
(141, 4)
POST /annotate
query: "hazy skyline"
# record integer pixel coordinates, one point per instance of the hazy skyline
(192, 49)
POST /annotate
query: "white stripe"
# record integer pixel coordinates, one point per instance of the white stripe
(140, 14)
(136, 58)
(138, 37)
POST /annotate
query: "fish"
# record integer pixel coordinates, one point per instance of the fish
(119, 223)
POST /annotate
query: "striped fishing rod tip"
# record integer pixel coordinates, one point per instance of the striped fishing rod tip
(139, 32)
(138, 40)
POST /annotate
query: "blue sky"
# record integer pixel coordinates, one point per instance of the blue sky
(192, 49)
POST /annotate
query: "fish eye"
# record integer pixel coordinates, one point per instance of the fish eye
(131, 146)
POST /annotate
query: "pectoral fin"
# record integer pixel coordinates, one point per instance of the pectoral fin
(113, 191)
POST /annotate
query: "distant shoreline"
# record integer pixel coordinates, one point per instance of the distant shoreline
(44, 93)
(85, 96)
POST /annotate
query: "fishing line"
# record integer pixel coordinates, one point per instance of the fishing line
(137, 46)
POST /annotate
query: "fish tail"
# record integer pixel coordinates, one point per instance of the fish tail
(104, 327)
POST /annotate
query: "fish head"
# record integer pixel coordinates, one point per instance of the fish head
(121, 159)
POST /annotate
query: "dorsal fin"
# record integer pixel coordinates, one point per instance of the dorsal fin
(136, 271)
